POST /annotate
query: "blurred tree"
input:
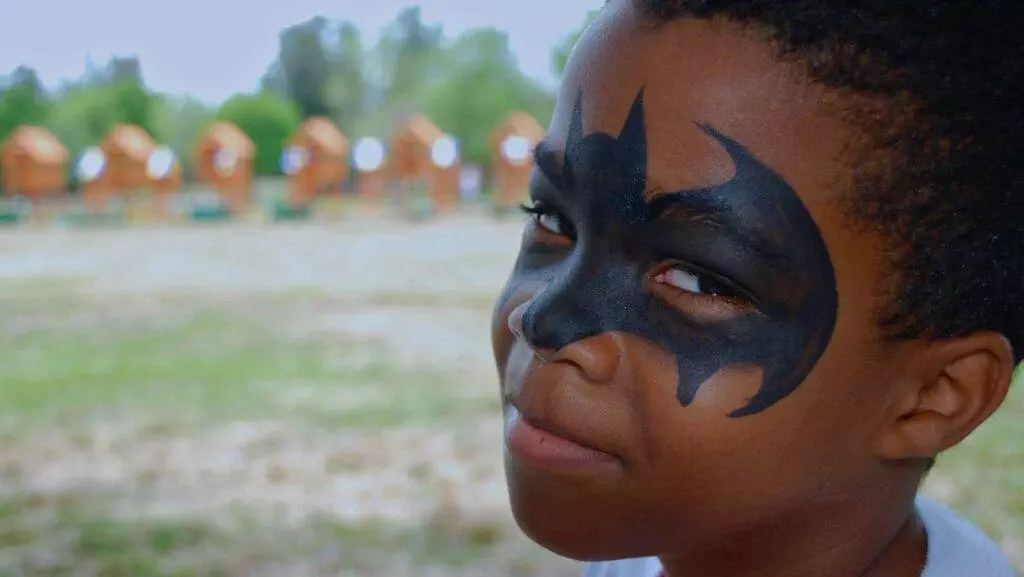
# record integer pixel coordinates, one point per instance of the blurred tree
(482, 85)
(127, 70)
(268, 120)
(181, 122)
(346, 88)
(562, 50)
(408, 55)
(302, 69)
(81, 118)
(22, 101)
(135, 105)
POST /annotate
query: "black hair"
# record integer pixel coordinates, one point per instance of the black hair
(945, 185)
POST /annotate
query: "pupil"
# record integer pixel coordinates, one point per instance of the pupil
(711, 287)
(560, 224)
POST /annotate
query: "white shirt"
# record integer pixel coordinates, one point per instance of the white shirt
(956, 548)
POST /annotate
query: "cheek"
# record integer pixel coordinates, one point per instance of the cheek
(753, 461)
(845, 396)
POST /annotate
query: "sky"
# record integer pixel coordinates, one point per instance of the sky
(212, 49)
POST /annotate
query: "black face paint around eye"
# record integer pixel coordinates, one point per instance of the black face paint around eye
(597, 285)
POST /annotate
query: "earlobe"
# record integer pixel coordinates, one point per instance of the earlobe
(958, 384)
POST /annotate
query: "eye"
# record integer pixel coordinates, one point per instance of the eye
(701, 295)
(552, 221)
(691, 281)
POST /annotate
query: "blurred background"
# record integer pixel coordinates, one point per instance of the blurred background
(248, 255)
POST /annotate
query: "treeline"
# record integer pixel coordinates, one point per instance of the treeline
(466, 85)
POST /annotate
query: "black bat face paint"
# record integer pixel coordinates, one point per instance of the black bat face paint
(752, 233)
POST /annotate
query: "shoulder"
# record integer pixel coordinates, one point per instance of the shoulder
(956, 547)
(642, 567)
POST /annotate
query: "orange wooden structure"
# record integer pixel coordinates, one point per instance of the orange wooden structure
(127, 148)
(223, 159)
(33, 162)
(324, 166)
(410, 149)
(412, 161)
(512, 144)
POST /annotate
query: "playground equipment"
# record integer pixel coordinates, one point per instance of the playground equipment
(116, 168)
(315, 161)
(127, 148)
(223, 160)
(512, 144)
(423, 160)
(33, 162)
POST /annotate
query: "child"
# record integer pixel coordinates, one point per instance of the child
(772, 272)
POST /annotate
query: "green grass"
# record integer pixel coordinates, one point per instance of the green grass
(209, 364)
(69, 362)
(62, 534)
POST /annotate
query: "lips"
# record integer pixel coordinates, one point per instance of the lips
(545, 445)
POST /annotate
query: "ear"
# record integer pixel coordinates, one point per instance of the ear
(953, 386)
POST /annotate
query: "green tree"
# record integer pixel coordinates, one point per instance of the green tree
(268, 120)
(23, 101)
(302, 69)
(135, 105)
(180, 122)
(408, 56)
(123, 70)
(82, 116)
(347, 85)
(482, 85)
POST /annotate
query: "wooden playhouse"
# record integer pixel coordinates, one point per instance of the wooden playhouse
(413, 162)
(315, 160)
(127, 149)
(224, 160)
(512, 144)
(33, 162)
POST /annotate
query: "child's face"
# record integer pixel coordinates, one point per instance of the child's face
(692, 306)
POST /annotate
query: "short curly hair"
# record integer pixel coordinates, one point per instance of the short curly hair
(950, 198)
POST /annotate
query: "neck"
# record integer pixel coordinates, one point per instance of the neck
(845, 542)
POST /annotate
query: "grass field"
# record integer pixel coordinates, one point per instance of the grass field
(259, 400)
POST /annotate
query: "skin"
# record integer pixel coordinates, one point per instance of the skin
(760, 424)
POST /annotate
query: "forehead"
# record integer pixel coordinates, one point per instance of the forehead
(700, 71)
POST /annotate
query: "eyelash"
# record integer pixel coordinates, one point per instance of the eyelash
(728, 294)
(538, 210)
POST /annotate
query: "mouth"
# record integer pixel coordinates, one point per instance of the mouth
(544, 445)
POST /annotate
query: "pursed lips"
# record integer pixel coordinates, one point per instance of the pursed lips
(554, 428)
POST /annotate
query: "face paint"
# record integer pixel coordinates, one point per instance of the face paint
(752, 232)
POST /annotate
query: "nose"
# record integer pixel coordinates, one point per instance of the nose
(597, 357)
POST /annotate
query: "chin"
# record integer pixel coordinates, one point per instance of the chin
(564, 538)
(582, 529)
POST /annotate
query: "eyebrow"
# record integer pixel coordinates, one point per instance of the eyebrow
(724, 220)
(678, 207)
